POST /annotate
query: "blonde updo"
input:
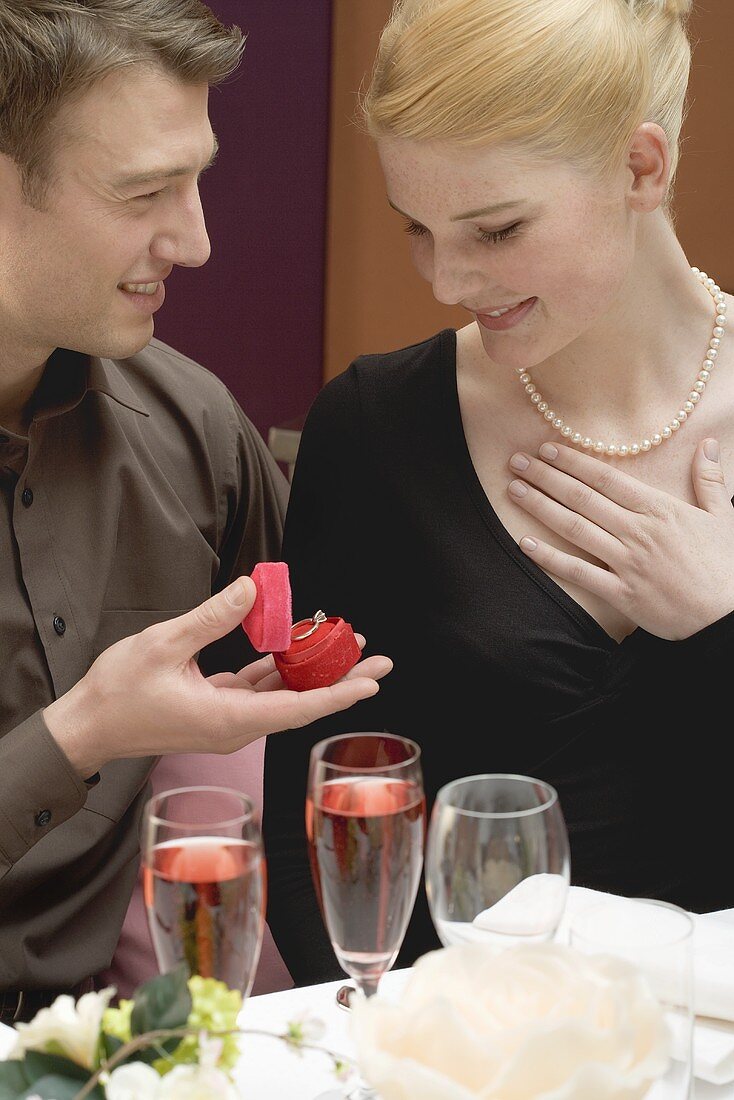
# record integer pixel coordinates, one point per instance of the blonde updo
(568, 79)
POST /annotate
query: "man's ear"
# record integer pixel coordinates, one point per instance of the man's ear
(649, 165)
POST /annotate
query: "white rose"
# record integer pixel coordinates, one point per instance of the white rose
(134, 1081)
(196, 1083)
(536, 1022)
(67, 1028)
(138, 1081)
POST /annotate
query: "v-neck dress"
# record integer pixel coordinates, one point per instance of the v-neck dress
(496, 667)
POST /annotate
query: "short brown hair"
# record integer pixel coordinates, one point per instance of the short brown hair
(54, 50)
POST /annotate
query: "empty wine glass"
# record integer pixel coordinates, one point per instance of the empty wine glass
(497, 861)
(204, 882)
(365, 822)
(657, 939)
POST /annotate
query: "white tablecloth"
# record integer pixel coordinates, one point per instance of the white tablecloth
(271, 1071)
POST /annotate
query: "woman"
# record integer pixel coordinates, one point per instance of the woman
(541, 501)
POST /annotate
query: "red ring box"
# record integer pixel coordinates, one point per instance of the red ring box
(320, 659)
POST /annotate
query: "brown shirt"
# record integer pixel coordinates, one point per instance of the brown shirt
(141, 489)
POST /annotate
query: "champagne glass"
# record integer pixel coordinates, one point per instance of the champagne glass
(497, 861)
(365, 822)
(204, 882)
(656, 938)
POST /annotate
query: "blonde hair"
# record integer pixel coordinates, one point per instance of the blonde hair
(54, 50)
(568, 79)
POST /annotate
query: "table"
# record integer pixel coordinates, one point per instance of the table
(269, 1070)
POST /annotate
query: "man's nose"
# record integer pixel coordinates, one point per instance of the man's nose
(185, 241)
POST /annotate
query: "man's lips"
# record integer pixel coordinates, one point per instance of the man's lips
(145, 280)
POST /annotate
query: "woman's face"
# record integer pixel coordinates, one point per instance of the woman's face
(493, 228)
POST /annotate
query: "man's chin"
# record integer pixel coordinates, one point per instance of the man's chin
(120, 345)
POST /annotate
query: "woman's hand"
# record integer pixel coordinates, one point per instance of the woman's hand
(670, 565)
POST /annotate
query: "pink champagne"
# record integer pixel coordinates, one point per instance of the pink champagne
(366, 846)
(205, 898)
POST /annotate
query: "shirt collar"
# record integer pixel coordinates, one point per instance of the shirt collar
(70, 375)
(105, 376)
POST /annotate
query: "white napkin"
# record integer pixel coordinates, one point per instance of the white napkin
(713, 964)
(7, 1040)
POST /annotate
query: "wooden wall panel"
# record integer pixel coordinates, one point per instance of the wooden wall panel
(376, 301)
(706, 173)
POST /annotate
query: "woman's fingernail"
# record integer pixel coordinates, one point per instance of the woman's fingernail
(547, 450)
(519, 462)
(711, 450)
(518, 488)
(528, 544)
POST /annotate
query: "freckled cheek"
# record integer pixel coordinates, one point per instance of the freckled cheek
(577, 274)
(421, 255)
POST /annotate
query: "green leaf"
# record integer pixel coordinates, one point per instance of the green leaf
(38, 1064)
(163, 1002)
(13, 1080)
(110, 1045)
(56, 1087)
(151, 1055)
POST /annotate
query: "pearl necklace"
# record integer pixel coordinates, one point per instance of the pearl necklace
(623, 450)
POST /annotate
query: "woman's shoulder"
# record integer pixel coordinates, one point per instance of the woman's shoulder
(438, 347)
(386, 377)
(386, 395)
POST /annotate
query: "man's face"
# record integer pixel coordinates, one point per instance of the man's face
(122, 210)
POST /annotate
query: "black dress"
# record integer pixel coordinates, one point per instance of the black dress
(497, 668)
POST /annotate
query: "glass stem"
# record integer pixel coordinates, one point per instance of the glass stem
(368, 986)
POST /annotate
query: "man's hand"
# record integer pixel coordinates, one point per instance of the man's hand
(146, 696)
(670, 564)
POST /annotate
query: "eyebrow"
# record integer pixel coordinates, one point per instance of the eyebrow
(140, 178)
(494, 208)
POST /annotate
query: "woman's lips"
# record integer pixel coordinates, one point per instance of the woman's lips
(508, 320)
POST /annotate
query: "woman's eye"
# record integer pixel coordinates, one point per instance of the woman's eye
(497, 235)
(494, 236)
(415, 229)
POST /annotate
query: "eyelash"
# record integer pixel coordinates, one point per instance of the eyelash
(161, 190)
(487, 237)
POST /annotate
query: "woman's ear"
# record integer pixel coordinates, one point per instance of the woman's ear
(648, 164)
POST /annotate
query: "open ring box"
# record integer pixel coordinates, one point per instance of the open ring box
(311, 653)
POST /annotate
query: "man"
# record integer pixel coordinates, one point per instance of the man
(134, 493)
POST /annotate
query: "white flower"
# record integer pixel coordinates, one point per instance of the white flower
(305, 1027)
(536, 1022)
(138, 1081)
(196, 1083)
(67, 1028)
(134, 1081)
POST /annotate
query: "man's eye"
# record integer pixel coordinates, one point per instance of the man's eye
(150, 195)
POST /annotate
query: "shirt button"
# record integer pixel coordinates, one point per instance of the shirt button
(27, 497)
(43, 818)
(59, 625)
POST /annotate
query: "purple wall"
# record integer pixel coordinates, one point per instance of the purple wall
(254, 314)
